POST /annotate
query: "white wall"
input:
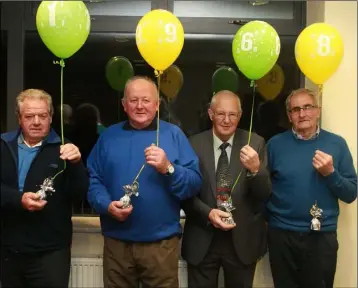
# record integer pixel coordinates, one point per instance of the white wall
(339, 115)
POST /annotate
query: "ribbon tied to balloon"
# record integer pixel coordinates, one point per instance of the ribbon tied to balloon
(256, 47)
(63, 27)
(319, 51)
(160, 40)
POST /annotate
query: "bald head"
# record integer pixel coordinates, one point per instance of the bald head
(225, 114)
(225, 95)
(141, 81)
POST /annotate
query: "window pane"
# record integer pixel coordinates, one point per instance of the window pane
(119, 8)
(3, 79)
(234, 9)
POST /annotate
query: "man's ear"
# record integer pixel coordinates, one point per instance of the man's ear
(211, 114)
(289, 117)
(124, 104)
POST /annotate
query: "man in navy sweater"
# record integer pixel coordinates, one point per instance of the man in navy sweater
(36, 233)
(141, 242)
(311, 169)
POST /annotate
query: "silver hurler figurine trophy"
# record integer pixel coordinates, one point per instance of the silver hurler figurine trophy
(46, 188)
(316, 214)
(129, 190)
(227, 207)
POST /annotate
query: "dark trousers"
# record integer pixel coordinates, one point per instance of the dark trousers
(45, 269)
(302, 260)
(154, 264)
(221, 254)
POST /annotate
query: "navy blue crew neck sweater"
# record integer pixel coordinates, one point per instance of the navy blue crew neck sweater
(297, 185)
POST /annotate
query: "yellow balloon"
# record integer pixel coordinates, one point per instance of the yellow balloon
(171, 82)
(271, 84)
(319, 50)
(159, 38)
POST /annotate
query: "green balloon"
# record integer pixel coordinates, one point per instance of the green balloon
(225, 78)
(256, 47)
(118, 71)
(63, 26)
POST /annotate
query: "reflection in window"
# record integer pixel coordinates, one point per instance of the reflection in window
(234, 9)
(85, 82)
(3, 79)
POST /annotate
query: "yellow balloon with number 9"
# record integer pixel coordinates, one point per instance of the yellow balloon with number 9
(159, 38)
(319, 51)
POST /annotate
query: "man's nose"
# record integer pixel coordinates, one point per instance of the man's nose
(139, 105)
(302, 112)
(226, 118)
(36, 119)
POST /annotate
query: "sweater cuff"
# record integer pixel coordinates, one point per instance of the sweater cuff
(333, 179)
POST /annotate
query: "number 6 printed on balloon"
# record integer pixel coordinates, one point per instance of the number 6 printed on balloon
(255, 48)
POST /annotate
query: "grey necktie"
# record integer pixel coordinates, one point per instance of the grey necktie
(223, 176)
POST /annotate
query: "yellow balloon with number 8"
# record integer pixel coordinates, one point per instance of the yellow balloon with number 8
(319, 51)
(159, 38)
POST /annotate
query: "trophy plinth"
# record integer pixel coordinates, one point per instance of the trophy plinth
(46, 188)
(227, 207)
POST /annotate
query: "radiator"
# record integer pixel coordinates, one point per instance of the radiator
(88, 273)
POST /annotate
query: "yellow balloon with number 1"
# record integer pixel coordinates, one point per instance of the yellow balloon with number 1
(319, 50)
(159, 38)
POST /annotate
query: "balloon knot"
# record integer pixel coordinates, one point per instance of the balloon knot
(252, 83)
(61, 63)
(157, 73)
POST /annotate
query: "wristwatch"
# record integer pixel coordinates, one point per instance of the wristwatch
(170, 169)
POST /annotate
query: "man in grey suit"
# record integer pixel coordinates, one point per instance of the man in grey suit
(208, 241)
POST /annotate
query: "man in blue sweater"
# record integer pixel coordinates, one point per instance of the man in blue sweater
(311, 169)
(141, 242)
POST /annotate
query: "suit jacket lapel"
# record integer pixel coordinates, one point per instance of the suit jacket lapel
(209, 160)
(235, 164)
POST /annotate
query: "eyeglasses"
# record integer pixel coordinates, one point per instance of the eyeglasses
(221, 116)
(306, 108)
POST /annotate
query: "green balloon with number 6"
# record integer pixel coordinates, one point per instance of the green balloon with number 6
(255, 48)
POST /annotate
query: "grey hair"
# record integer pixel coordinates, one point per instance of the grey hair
(301, 91)
(37, 94)
(134, 78)
(228, 92)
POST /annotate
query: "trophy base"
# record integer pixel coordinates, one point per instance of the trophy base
(315, 224)
(228, 220)
(42, 194)
(126, 200)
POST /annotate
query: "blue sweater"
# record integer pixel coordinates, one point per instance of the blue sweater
(296, 184)
(26, 156)
(115, 161)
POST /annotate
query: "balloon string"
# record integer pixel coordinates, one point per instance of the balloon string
(320, 90)
(253, 84)
(157, 74)
(62, 64)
